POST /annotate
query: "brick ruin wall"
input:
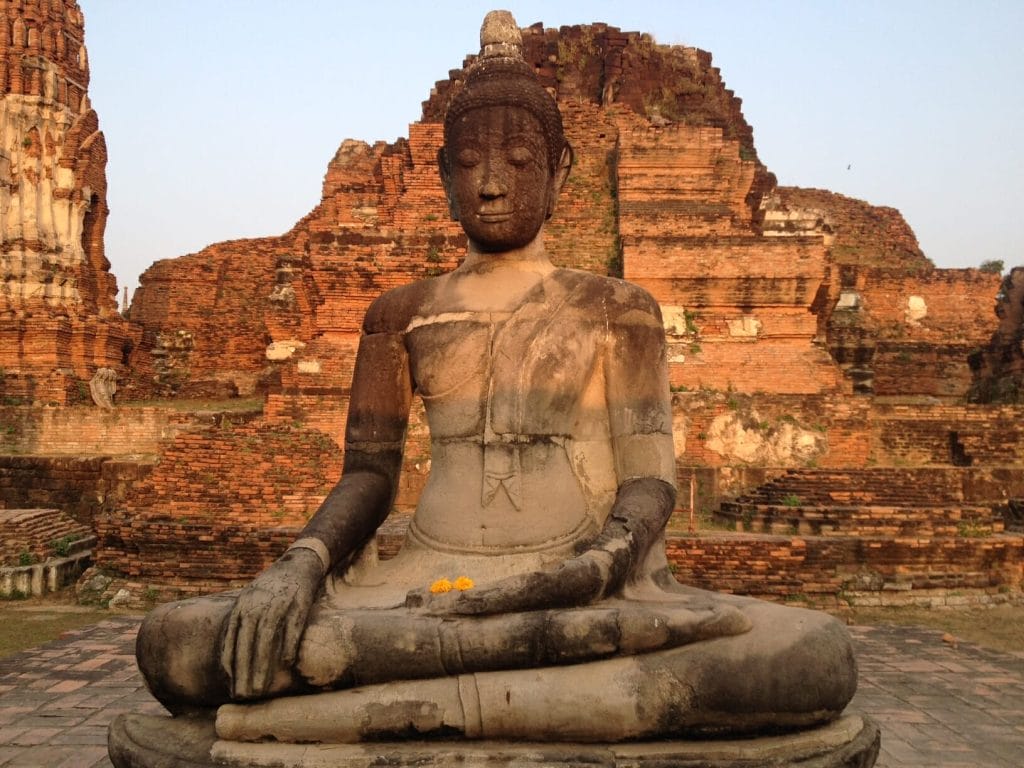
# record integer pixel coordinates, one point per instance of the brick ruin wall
(278, 474)
(84, 488)
(747, 273)
(998, 366)
(32, 535)
(89, 431)
(927, 327)
(835, 573)
(58, 309)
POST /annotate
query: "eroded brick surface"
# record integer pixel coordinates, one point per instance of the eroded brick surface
(58, 309)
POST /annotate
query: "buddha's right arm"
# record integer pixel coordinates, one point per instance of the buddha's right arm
(374, 439)
(270, 614)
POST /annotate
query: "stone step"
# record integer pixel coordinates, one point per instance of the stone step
(878, 486)
(861, 520)
(870, 570)
(41, 533)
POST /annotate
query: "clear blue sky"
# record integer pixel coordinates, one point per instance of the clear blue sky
(221, 115)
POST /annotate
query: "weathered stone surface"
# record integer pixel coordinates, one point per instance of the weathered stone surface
(532, 600)
(138, 741)
(103, 387)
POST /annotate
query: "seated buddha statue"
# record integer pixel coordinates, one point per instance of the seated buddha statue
(532, 598)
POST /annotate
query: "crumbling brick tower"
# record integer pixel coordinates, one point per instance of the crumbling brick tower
(58, 308)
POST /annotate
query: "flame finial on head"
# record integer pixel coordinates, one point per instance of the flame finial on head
(501, 77)
(500, 35)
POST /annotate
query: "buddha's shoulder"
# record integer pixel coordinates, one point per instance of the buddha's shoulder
(619, 298)
(392, 310)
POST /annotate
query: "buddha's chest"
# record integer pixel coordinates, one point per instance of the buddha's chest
(504, 374)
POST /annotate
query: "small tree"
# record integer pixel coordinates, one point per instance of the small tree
(992, 265)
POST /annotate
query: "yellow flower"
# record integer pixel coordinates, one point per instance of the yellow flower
(463, 583)
(441, 585)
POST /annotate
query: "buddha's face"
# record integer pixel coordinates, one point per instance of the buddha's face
(496, 173)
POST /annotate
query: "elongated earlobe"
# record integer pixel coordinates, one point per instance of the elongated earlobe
(446, 181)
(559, 177)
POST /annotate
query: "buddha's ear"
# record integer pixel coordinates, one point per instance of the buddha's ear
(559, 177)
(446, 181)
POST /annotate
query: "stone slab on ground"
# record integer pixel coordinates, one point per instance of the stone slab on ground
(938, 705)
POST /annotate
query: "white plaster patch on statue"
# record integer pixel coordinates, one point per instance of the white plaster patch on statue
(748, 439)
(444, 317)
(309, 366)
(916, 309)
(747, 326)
(282, 350)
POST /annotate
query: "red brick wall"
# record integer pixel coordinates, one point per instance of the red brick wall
(841, 571)
(91, 431)
(241, 492)
(81, 487)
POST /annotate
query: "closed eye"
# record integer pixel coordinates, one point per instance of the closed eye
(467, 158)
(520, 156)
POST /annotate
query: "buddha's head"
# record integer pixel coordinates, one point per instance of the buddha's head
(505, 156)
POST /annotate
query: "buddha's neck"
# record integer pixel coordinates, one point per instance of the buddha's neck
(532, 257)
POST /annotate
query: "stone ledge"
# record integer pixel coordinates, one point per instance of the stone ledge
(41, 578)
(147, 741)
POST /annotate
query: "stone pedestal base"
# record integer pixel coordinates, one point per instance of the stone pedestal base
(146, 741)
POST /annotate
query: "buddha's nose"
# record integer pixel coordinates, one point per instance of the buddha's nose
(493, 186)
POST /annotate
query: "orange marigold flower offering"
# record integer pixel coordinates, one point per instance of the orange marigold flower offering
(440, 586)
(463, 583)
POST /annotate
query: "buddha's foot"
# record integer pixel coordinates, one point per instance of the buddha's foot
(360, 647)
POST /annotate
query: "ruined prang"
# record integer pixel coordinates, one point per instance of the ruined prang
(58, 309)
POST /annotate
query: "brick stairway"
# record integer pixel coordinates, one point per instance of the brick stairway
(862, 502)
(861, 536)
(35, 533)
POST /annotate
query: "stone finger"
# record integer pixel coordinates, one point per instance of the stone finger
(244, 640)
(268, 646)
(227, 650)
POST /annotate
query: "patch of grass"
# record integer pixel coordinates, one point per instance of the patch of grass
(791, 500)
(999, 627)
(35, 621)
(27, 558)
(969, 529)
(62, 546)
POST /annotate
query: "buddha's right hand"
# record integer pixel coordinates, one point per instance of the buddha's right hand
(266, 624)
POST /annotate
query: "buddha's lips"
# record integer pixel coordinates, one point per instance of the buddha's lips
(494, 217)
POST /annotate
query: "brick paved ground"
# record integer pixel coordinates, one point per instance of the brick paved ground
(942, 706)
